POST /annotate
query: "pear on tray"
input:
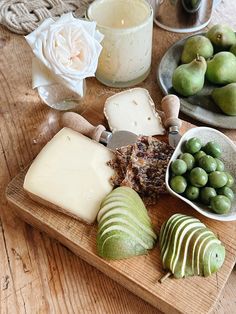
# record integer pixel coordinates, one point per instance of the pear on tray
(189, 248)
(124, 227)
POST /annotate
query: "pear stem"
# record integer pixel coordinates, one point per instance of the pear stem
(167, 275)
(198, 57)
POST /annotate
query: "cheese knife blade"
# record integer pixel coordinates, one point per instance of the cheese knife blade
(98, 133)
(118, 139)
(174, 136)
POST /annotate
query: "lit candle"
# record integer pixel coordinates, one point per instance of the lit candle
(127, 46)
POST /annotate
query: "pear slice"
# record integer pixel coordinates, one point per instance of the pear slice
(119, 222)
(183, 237)
(165, 227)
(197, 236)
(125, 214)
(119, 247)
(179, 267)
(126, 198)
(116, 229)
(123, 205)
(127, 194)
(213, 259)
(199, 253)
(170, 247)
(166, 232)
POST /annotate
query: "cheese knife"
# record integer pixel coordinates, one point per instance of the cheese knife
(170, 105)
(98, 133)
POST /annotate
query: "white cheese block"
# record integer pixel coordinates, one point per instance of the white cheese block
(133, 110)
(70, 174)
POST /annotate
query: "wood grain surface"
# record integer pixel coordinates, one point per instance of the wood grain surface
(37, 274)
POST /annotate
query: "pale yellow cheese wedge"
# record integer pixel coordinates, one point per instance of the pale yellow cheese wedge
(70, 174)
(133, 110)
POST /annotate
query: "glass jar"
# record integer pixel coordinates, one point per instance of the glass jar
(60, 97)
(127, 45)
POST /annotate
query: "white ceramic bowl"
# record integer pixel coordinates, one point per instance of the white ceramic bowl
(228, 157)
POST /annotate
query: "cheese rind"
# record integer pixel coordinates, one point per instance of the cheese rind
(71, 174)
(133, 110)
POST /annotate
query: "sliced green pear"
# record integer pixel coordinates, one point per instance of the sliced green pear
(118, 223)
(198, 235)
(115, 229)
(198, 262)
(125, 214)
(119, 247)
(213, 259)
(166, 230)
(128, 194)
(180, 268)
(124, 227)
(122, 205)
(170, 246)
(189, 248)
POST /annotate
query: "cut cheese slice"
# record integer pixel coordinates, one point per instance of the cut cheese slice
(71, 174)
(133, 110)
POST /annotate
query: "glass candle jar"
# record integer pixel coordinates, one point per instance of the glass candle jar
(127, 45)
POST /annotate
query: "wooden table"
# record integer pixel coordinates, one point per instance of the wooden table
(37, 274)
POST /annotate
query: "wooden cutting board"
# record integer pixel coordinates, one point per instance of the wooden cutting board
(139, 274)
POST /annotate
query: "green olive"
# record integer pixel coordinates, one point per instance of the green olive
(193, 145)
(189, 160)
(220, 165)
(226, 191)
(220, 204)
(199, 155)
(192, 192)
(178, 167)
(230, 181)
(206, 194)
(198, 177)
(178, 184)
(208, 163)
(212, 148)
(217, 179)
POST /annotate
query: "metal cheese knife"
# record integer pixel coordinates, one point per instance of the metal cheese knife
(98, 133)
(170, 105)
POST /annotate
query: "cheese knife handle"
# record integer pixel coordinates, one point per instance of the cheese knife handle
(79, 124)
(170, 105)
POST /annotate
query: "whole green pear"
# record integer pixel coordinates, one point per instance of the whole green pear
(225, 98)
(233, 49)
(197, 45)
(221, 36)
(221, 69)
(188, 79)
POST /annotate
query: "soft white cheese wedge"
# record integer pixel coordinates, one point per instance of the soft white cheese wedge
(70, 174)
(133, 110)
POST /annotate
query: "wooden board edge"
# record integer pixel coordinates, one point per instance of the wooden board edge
(87, 257)
(91, 258)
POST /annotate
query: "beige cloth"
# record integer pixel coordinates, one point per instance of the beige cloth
(23, 16)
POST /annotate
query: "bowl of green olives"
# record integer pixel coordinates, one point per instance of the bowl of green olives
(202, 173)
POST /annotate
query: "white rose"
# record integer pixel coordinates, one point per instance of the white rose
(69, 48)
